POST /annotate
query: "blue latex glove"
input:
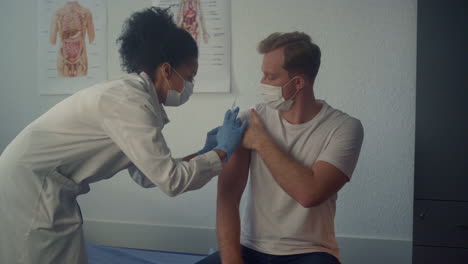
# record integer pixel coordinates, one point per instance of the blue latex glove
(210, 142)
(230, 133)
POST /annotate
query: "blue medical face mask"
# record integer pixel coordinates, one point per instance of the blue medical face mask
(175, 98)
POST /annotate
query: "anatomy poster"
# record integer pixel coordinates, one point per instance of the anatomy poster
(209, 24)
(71, 45)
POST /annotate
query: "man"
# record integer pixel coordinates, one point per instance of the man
(300, 152)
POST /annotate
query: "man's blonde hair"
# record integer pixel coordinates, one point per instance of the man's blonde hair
(301, 55)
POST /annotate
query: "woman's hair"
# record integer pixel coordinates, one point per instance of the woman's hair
(150, 38)
(301, 55)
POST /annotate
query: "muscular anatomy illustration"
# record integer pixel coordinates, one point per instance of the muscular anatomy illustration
(72, 22)
(190, 16)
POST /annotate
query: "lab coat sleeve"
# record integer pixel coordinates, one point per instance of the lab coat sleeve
(133, 125)
(139, 177)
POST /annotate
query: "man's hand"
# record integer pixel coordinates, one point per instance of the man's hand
(256, 134)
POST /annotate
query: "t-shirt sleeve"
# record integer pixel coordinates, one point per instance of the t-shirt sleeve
(245, 114)
(342, 151)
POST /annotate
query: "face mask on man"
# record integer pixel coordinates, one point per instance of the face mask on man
(175, 98)
(273, 96)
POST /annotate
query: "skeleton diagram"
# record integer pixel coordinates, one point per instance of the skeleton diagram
(71, 23)
(190, 16)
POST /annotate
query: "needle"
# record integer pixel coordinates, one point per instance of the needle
(234, 104)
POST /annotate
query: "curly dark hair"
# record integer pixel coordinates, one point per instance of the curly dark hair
(149, 38)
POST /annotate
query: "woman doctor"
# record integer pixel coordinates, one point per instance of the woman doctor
(98, 132)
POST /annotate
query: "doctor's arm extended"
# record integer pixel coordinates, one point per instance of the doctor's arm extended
(138, 133)
(210, 144)
(231, 185)
(144, 182)
(309, 186)
(225, 138)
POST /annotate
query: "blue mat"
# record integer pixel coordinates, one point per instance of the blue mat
(113, 255)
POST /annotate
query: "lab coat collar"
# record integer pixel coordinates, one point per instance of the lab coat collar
(154, 96)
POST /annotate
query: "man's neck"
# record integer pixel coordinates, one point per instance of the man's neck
(304, 109)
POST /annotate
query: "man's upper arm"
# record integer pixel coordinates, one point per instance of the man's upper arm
(233, 178)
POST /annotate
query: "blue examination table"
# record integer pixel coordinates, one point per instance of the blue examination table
(113, 255)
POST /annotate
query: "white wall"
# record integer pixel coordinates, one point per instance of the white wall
(368, 70)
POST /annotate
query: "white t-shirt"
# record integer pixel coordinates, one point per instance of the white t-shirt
(273, 222)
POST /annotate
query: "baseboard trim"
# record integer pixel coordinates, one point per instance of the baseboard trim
(198, 240)
(184, 239)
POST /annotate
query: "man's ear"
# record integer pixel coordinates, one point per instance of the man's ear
(300, 82)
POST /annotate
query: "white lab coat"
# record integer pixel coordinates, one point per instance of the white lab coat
(88, 137)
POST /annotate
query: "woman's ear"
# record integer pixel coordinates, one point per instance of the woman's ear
(163, 70)
(162, 74)
(166, 70)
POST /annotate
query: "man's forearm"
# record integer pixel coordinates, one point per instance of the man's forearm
(228, 230)
(295, 178)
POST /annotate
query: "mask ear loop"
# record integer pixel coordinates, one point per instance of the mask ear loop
(297, 90)
(178, 74)
(294, 95)
(183, 80)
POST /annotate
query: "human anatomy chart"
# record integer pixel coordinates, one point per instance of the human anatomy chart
(72, 45)
(190, 17)
(209, 24)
